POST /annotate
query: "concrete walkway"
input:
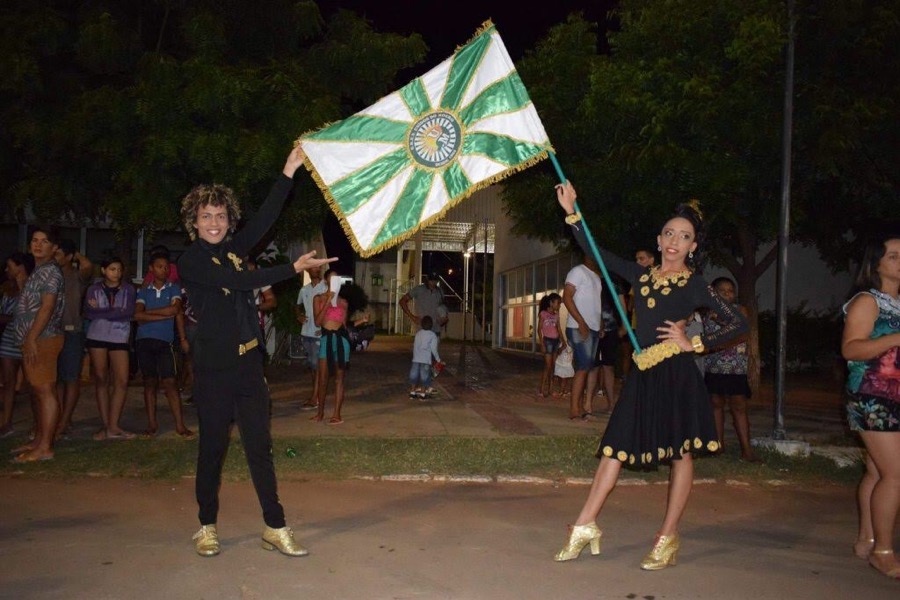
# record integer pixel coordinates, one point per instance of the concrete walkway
(482, 392)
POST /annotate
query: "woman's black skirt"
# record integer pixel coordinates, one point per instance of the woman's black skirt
(662, 414)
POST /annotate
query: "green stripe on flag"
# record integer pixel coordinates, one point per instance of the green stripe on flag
(464, 66)
(415, 97)
(363, 129)
(455, 180)
(506, 95)
(502, 149)
(408, 209)
(354, 190)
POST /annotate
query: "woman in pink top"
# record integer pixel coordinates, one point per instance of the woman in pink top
(334, 348)
(551, 338)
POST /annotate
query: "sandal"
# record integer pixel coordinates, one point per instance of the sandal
(335, 421)
(23, 458)
(187, 435)
(148, 434)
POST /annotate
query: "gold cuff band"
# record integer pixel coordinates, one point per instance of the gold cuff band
(655, 354)
(243, 348)
(573, 218)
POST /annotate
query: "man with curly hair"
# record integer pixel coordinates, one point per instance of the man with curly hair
(229, 383)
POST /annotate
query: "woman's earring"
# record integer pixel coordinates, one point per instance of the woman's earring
(690, 255)
(659, 248)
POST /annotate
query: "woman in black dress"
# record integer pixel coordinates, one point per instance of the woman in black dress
(664, 413)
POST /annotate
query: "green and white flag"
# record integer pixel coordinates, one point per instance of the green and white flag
(402, 163)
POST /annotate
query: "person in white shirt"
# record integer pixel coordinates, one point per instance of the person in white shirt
(310, 333)
(582, 299)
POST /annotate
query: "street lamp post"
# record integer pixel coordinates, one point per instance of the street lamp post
(465, 307)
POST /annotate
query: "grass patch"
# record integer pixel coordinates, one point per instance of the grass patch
(340, 457)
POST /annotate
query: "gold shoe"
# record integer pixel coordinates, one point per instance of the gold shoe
(663, 554)
(893, 573)
(581, 536)
(282, 540)
(207, 540)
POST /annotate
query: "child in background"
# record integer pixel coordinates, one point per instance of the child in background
(550, 338)
(425, 346)
(157, 307)
(563, 372)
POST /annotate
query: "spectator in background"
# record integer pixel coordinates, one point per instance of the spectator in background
(608, 346)
(18, 267)
(186, 327)
(265, 300)
(37, 328)
(109, 305)
(425, 349)
(582, 299)
(161, 250)
(645, 258)
(551, 338)
(157, 307)
(334, 351)
(428, 298)
(77, 270)
(725, 373)
(310, 333)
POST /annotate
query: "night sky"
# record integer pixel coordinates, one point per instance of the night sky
(444, 26)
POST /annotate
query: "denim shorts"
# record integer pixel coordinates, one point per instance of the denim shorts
(420, 374)
(311, 347)
(585, 350)
(551, 345)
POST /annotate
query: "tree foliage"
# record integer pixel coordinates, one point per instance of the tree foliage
(116, 109)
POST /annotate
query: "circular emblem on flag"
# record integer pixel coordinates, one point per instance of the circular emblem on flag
(435, 139)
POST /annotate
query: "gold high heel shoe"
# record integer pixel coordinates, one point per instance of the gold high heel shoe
(282, 540)
(581, 536)
(893, 573)
(663, 553)
(862, 548)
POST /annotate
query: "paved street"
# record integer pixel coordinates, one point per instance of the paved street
(126, 538)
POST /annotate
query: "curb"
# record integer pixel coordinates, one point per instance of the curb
(565, 481)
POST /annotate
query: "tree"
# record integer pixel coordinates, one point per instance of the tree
(115, 110)
(688, 104)
(848, 81)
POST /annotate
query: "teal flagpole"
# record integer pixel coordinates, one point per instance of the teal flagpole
(606, 277)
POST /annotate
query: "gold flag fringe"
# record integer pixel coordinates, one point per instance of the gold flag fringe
(486, 26)
(365, 253)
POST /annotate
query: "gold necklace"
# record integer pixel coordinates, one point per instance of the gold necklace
(662, 282)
